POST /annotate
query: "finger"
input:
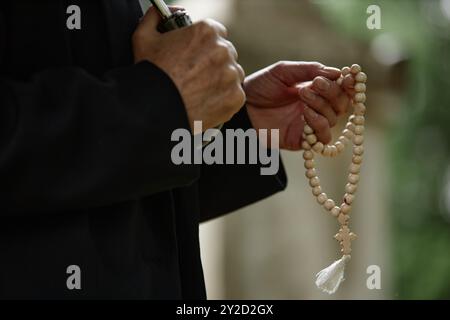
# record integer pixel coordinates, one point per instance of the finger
(291, 73)
(331, 91)
(241, 72)
(232, 49)
(348, 84)
(220, 28)
(319, 104)
(319, 124)
(326, 88)
(341, 104)
(150, 20)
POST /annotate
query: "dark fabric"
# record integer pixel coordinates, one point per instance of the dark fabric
(85, 171)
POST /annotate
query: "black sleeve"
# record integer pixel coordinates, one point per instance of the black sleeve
(226, 188)
(69, 140)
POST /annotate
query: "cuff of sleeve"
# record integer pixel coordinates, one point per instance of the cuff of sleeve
(226, 188)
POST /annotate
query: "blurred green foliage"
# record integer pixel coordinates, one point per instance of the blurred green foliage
(420, 139)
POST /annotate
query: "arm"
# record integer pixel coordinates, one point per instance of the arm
(69, 140)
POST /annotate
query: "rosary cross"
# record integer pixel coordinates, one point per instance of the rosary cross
(345, 237)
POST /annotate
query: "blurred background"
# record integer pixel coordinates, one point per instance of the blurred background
(273, 249)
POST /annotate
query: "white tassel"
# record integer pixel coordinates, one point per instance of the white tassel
(329, 279)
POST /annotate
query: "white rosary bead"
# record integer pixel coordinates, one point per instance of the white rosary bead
(349, 198)
(343, 219)
(355, 69)
(353, 178)
(335, 211)
(308, 155)
(360, 97)
(361, 77)
(350, 126)
(316, 191)
(344, 140)
(359, 109)
(329, 204)
(358, 150)
(311, 138)
(351, 188)
(357, 159)
(333, 151)
(360, 87)
(354, 168)
(359, 130)
(318, 147)
(314, 182)
(345, 71)
(345, 208)
(358, 140)
(339, 146)
(308, 130)
(321, 198)
(306, 145)
(326, 151)
(359, 120)
(311, 173)
(348, 134)
(309, 164)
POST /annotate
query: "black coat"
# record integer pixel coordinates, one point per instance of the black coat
(85, 171)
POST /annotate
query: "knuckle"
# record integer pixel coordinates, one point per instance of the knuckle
(205, 29)
(316, 64)
(218, 25)
(230, 46)
(280, 65)
(221, 53)
(241, 70)
(222, 28)
(229, 75)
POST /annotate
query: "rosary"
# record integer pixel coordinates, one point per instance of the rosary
(329, 279)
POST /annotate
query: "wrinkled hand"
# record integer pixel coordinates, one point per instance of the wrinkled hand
(284, 95)
(201, 62)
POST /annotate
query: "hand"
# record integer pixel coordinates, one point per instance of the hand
(284, 95)
(200, 61)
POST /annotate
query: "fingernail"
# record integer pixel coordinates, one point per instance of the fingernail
(309, 95)
(322, 84)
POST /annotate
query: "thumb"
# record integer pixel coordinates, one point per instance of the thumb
(292, 73)
(150, 21)
(152, 18)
